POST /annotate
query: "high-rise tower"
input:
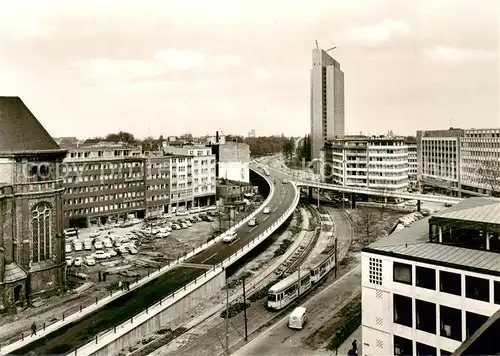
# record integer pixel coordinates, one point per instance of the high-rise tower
(327, 101)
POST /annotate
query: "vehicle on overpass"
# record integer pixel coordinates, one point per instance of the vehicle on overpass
(287, 290)
(230, 237)
(252, 222)
(266, 210)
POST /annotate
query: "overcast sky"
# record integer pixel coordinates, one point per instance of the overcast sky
(88, 68)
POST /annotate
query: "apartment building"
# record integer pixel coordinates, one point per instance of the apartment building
(104, 182)
(157, 174)
(233, 161)
(438, 158)
(202, 171)
(369, 162)
(429, 287)
(480, 162)
(412, 162)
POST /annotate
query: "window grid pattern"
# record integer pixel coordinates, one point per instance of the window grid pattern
(42, 232)
(375, 271)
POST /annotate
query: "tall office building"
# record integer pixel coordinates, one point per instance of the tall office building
(327, 101)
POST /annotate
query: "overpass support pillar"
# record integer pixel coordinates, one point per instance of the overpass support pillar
(419, 205)
(353, 201)
(310, 193)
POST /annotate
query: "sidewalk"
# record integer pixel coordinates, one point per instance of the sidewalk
(347, 345)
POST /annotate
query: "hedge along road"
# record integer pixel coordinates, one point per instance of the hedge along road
(80, 332)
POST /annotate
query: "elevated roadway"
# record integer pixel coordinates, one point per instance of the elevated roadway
(78, 333)
(366, 191)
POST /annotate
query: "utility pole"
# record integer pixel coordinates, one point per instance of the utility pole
(336, 257)
(227, 318)
(245, 309)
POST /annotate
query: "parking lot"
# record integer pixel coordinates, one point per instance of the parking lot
(130, 250)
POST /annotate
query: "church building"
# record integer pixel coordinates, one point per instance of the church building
(32, 255)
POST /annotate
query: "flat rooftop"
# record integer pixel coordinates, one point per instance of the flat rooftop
(413, 243)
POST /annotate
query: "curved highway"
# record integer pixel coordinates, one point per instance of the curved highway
(79, 332)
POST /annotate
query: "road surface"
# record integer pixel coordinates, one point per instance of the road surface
(279, 340)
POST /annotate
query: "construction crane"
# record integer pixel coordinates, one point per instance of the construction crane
(328, 50)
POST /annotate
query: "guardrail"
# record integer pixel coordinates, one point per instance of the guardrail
(99, 303)
(100, 340)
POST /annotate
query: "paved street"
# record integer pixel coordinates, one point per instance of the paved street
(280, 340)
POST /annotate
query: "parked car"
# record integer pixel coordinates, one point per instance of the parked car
(162, 235)
(69, 260)
(184, 225)
(89, 261)
(188, 223)
(111, 252)
(78, 261)
(108, 243)
(176, 227)
(101, 255)
(78, 245)
(95, 234)
(267, 210)
(87, 244)
(98, 245)
(132, 250)
(68, 248)
(122, 250)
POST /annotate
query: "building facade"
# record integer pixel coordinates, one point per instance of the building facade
(438, 156)
(104, 183)
(428, 287)
(412, 162)
(202, 170)
(32, 255)
(367, 162)
(480, 162)
(233, 161)
(158, 177)
(327, 101)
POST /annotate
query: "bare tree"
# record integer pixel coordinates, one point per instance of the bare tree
(367, 221)
(383, 204)
(489, 175)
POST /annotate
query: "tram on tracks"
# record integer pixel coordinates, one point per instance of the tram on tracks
(287, 290)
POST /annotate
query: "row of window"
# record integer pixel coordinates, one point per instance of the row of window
(423, 317)
(104, 208)
(449, 282)
(98, 166)
(100, 178)
(101, 187)
(404, 347)
(157, 197)
(104, 197)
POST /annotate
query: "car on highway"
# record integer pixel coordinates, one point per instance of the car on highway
(252, 222)
(89, 261)
(230, 237)
(266, 210)
(284, 181)
(78, 262)
(448, 205)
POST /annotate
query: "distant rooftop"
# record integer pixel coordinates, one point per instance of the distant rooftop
(20, 130)
(104, 145)
(413, 242)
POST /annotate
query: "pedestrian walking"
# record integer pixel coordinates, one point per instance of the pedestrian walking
(104, 276)
(128, 285)
(33, 329)
(120, 285)
(355, 347)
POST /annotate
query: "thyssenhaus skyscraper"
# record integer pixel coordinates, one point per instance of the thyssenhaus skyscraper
(327, 100)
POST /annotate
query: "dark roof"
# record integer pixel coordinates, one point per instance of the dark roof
(476, 209)
(20, 131)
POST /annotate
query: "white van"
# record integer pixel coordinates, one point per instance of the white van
(230, 237)
(298, 318)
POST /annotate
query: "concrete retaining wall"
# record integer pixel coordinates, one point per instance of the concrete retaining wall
(163, 318)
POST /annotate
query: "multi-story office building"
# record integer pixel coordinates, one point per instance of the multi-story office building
(157, 173)
(428, 287)
(412, 162)
(368, 162)
(438, 158)
(203, 171)
(480, 162)
(32, 255)
(103, 182)
(327, 101)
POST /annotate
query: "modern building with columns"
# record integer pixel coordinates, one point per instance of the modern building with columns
(429, 287)
(32, 256)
